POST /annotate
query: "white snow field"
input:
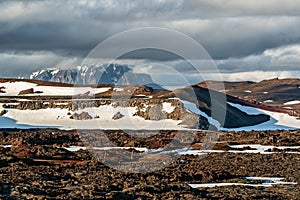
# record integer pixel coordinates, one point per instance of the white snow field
(193, 108)
(167, 107)
(257, 149)
(292, 102)
(59, 118)
(266, 182)
(14, 118)
(13, 89)
(278, 121)
(77, 148)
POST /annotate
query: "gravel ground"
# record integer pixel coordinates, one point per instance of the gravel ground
(36, 167)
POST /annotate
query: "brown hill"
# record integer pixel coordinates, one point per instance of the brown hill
(268, 94)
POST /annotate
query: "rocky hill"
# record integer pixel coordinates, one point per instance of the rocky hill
(281, 95)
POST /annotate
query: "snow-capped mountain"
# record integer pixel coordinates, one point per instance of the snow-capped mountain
(102, 74)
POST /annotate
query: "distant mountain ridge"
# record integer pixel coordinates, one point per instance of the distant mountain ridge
(113, 74)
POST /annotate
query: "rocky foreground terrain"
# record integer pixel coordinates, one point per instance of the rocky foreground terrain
(38, 164)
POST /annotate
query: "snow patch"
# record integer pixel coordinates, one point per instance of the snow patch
(12, 104)
(35, 74)
(77, 148)
(144, 109)
(61, 104)
(278, 121)
(167, 107)
(263, 149)
(13, 89)
(292, 102)
(189, 151)
(266, 182)
(193, 108)
(268, 101)
(56, 117)
(5, 146)
(118, 89)
(55, 72)
(255, 149)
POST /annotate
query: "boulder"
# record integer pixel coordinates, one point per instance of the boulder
(81, 116)
(155, 112)
(118, 115)
(38, 92)
(27, 91)
(2, 89)
(2, 112)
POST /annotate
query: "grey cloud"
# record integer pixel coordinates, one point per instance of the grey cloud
(231, 31)
(238, 37)
(285, 58)
(76, 27)
(14, 65)
(238, 8)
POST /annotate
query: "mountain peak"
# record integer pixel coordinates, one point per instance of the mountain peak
(95, 74)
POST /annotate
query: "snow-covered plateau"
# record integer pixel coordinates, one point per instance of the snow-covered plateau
(14, 88)
(102, 116)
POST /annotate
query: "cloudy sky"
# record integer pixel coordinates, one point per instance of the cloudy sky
(242, 36)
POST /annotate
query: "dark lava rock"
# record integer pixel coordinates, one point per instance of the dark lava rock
(3, 112)
(27, 91)
(118, 115)
(38, 92)
(81, 116)
(2, 89)
(34, 168)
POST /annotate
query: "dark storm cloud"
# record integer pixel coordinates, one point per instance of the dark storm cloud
(226, 29)
(70, 29)
(70, 25)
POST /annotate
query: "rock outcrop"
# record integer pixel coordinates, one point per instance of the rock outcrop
(147, 108)
(2, 112)
(27, 91)
(2, 89)
(118, 115)
(81, 116)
